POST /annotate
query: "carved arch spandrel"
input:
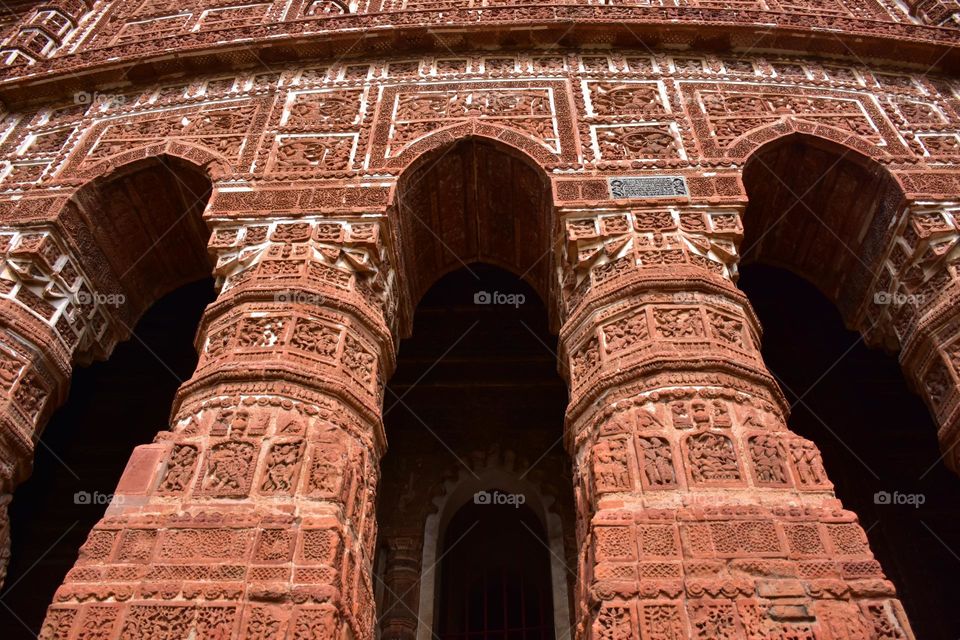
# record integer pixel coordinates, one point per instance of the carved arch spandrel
(534, 116)
(216, 136)
(747, 145)
(734, 121)
(214, 165)
(505, 135)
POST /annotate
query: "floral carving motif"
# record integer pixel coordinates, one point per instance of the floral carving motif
(610, 99)
(637, 142)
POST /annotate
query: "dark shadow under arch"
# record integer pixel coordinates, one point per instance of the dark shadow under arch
(875, 436)
(113, 406)
(823, 214)
(476, 393)
(822, 211)
(495, 574)
(475, 200)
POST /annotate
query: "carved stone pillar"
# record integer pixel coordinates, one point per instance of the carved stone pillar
(401, 577)
(49, 315)
(916, 306)
(253, 515)
(701, 515)
(33, 382)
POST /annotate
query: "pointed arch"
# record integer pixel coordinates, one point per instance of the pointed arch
(821, 208)
(519, 141)
(474, 198)
(138, 226)
(492, 471)
(214, 165)
(750, 143)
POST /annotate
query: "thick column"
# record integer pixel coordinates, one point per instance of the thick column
(253, 515)
(701, 515)
(398, 618)
(49, 316)
(916, 306)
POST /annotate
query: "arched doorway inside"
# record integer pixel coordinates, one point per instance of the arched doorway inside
(476, 404)
(476, 382)
(495, 576)
(817, 217)
(146, 219)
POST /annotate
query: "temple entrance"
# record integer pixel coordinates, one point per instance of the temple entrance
(495, 575)
(476, 406)
(113, 406)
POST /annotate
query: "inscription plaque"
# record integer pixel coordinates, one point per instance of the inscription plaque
(647, 187)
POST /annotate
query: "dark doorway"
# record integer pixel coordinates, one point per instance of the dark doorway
(476, 385)
(875, 436)
(495, 574)
(113, 407)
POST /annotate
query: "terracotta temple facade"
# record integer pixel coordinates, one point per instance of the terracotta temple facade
(328, 161)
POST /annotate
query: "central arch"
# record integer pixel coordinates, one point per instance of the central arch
(475, 200)
(476, 404)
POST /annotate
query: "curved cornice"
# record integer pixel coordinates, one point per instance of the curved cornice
(446, 31)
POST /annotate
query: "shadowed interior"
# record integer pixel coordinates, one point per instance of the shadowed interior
(475, 200)
(875, 436)
(821, 211)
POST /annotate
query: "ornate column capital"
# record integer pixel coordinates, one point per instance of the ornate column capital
(650, 301)
(310, 300)
(50, 286)
(44, 30)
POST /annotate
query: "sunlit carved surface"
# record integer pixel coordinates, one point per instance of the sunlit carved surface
(328, 162)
